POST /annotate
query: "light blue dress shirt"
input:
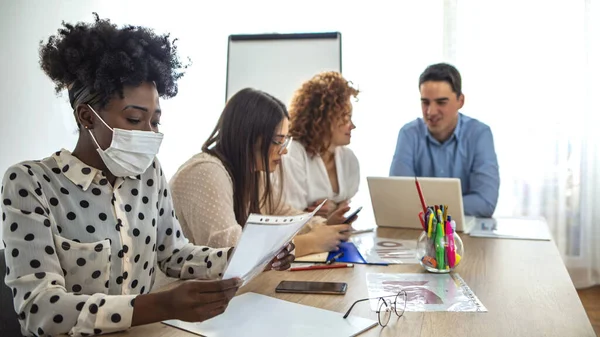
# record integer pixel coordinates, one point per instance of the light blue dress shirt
(468, 154)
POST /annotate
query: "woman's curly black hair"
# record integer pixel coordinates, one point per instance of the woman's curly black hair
(105, 58)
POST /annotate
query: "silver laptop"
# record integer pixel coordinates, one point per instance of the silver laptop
(396, 202)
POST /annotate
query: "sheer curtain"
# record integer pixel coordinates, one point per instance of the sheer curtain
(530, 71)
(585, 268)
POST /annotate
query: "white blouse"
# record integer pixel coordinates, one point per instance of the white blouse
(79, 251)
(306, 178)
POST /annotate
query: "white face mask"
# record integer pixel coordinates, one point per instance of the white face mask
(131, 152)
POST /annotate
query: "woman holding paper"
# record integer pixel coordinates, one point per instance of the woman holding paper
(238, 172)
(85, 229)
(319, 165)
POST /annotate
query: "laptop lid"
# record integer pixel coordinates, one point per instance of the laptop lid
(396, 202)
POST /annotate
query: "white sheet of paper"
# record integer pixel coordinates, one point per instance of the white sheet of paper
(257, 315)
(469, 224)
(512, 228)
(383, 250)
(425, 291)
(263, 237)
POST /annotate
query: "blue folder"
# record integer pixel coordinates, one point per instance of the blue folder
(351, 255)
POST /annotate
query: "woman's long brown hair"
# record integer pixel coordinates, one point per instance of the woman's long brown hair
(250, 119)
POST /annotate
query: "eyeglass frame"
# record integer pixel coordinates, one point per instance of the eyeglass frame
(381, 298)
(284, 145)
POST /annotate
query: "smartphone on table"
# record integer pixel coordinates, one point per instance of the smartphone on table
(310, 287)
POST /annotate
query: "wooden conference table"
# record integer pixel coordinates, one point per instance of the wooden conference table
(523, 284)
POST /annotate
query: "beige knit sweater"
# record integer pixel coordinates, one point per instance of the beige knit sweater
(202, 192)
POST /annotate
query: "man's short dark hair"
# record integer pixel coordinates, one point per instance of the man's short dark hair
(443, 72)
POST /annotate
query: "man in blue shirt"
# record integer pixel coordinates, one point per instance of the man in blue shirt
(446, 143)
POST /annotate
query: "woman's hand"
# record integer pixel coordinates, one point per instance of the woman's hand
(325, 210)
(284, 259)
(199, 300)
(191, 301)
(328, 238)
(337, 217)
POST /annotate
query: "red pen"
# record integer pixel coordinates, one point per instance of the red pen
(423, 204)
(324, 266)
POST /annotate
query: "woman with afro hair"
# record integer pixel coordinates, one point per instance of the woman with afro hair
(85, 229)
(319, 165)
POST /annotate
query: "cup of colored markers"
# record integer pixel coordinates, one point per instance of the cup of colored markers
(439, 248)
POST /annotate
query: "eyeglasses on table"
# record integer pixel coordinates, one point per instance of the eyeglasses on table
(385, 306)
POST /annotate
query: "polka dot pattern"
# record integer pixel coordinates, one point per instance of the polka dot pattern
(76, 231)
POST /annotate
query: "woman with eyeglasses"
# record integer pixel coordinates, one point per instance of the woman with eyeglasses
(320, 165)
(85, 229)
(238, 172)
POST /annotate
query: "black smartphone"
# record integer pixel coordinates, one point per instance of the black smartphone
(308, 287)
(351, 216)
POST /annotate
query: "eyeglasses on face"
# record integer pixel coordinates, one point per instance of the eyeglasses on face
(282, 143)
(385, 306)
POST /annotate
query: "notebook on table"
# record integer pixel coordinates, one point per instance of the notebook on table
(258, 315)
(316, 258)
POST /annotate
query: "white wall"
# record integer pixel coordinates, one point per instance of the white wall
(385, 48)
(34, 122)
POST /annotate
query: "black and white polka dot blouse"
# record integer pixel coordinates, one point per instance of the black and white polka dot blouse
(78, 250)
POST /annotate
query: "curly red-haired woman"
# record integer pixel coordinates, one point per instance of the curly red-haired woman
(319, 164)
